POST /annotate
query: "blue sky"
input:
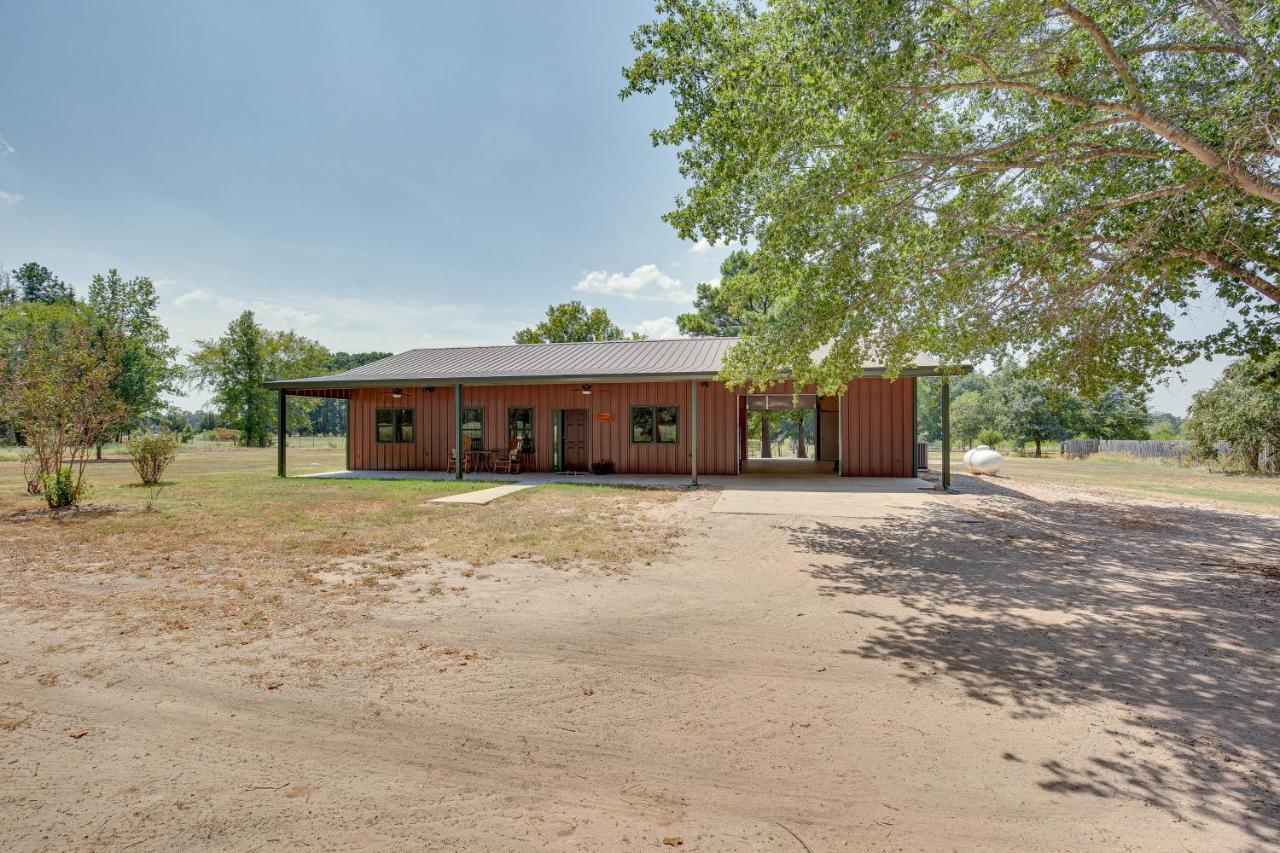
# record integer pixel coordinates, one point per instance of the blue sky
(374, 175)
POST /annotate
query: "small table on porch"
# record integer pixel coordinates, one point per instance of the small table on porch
(483, 460)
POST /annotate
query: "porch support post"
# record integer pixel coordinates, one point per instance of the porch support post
(946, 433)
(693, 432)
(280, 437)
(457, 431)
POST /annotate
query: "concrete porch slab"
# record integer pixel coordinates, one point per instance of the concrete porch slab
(483, 496)
(830, 497)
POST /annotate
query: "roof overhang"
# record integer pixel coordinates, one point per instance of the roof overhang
(315, 384)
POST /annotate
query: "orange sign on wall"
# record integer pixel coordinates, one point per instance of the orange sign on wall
(604, 416)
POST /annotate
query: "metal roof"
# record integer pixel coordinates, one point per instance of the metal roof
(691, 358)
(682, 358)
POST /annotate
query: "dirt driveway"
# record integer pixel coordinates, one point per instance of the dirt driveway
(1039, 669)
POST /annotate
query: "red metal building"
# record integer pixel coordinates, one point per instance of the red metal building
(641, 407)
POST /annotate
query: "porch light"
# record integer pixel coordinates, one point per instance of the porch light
(396, 393)
(586, 389)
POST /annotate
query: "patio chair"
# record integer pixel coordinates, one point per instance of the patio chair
(466, 456)
(509, 462)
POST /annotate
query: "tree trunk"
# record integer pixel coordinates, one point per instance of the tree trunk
(98, 453)
(766, 448)
(1037, 448)
(801, 452)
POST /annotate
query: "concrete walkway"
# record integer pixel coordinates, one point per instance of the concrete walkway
(482, 496)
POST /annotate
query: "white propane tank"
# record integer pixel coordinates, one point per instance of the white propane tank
(984, 460)
(968, 454)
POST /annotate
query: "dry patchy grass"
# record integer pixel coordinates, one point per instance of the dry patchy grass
(229, 556)
(1249, 493)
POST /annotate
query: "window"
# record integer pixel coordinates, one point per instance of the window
(394, 426)
(520, 425)
(655, 424)
(473, 426)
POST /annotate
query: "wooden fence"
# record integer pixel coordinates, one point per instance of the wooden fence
(1178, 451)
(1080, 448)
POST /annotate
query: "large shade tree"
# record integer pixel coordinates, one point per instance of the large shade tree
(235, 365)
(1243, 410)
(979, 179)
(726, 307)
(146, 368)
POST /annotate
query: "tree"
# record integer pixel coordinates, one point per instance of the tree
(1242, 408)
(1165, 427)
(1035, 411)
(147, 368)
(971, 413)
(929, 401)
(57, 387)
(572, 321)
(34, 283)
(725, 308)
(1115, 414)
(978, 179)
(8, 293)
(236, 365)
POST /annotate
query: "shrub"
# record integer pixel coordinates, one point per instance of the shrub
(990, 437)
(62, 488)
(151, 453)
(224, 434)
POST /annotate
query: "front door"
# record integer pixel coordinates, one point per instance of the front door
(573, 440)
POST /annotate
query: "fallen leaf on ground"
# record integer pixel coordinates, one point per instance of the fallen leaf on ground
(673, 841)
(79, 734)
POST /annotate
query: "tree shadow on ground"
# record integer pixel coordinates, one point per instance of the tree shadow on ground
(1034, 606)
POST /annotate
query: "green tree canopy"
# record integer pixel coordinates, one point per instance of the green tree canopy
(237, 364)
(572, 321)
(32, 282)
(974, 179)
(147, 367)
(726, 308)
(1243, 408)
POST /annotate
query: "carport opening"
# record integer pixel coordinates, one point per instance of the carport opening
(792, 433)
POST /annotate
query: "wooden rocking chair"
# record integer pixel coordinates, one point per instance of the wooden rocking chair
(466, 456)
(509, 462)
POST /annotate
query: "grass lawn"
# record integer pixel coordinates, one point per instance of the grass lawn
(229, 505)
(1254, 493)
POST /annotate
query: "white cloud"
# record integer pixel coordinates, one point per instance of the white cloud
(10, 198)
(269, 312)
(5, 147)
(661, 327)
(643, 282)
(701, 247)
(194, 297)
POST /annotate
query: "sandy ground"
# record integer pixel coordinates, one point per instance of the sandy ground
(1030, 669)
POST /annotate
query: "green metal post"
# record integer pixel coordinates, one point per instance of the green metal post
(280, 438)
(457, 431)
(946, 433)
(693, 431)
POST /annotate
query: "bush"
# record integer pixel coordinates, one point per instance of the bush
(224, 434)
(151, 453)
(990, 437)
(61, 489)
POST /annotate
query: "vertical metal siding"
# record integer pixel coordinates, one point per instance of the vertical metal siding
(874, 433)
(876, 428)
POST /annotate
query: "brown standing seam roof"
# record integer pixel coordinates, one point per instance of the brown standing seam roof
(684, 357)
(680, 358)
